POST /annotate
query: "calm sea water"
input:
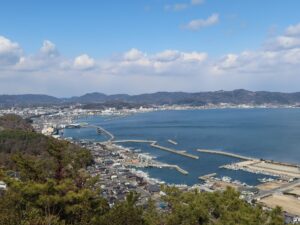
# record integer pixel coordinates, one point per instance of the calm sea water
(261, 133)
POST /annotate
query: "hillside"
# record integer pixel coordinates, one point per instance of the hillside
(17, 138)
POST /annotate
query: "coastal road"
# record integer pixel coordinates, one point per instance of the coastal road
(284, 187)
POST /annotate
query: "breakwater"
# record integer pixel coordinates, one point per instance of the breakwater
(226, 154)
(155, 145)
(101, 130)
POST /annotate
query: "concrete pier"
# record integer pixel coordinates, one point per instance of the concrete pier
(102, 130)
(179, 169)
(172, 142)
(155, 145)
(207, 176)
(226, 154)
(175, 151)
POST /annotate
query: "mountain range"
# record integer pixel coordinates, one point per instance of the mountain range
(236, 97)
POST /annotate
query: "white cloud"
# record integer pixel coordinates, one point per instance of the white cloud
(293, 29)
(167, 55)
(47, 58)
(200, 23)
(174, 55)
(283, 42)
(10, 52)
(133, 55)
(194, 56)
(166, 63)
(84, 62)
(49, 49)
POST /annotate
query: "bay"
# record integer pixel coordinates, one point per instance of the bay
(261, 133)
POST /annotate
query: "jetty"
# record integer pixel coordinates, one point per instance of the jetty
(172, 142)
(134, 141)
(183, 153)
(101, 130)
(155, 145)
(207, 176)
(179, 169)
(226, 154)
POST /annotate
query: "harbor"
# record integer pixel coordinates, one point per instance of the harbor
(258, 179)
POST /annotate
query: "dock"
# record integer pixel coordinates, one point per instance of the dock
(102, 130)
(134, 141)
(179, 169)
(226, 154)
(155, 145)
(207, 176)
(183, 153)
(172, 142)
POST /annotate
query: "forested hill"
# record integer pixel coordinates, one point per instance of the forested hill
(47, 184)
(18, 139)
(181, 98)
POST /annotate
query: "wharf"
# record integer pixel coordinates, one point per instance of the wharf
(226, 154)
(207, 176)
(102, 130)
(172, 142)
(179, 169)
(183, 153)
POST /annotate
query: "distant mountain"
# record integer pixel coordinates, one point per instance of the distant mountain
(239, 96)
(28, 99)
(89, 98)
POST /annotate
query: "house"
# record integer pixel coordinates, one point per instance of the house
(2, 185)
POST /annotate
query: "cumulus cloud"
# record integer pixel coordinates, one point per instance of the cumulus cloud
(84, 62)
(174, 55)
(46, 58)
(200, 23)
(283, 42)
(167, 55)
(49, 49)
(288, 40)
(293, 29)
(10, 52)
(133, 55)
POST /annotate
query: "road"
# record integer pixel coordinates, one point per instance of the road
(282, 188)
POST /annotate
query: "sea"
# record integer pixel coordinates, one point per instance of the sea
(272, 134)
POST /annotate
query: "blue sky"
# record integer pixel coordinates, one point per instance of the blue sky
(101, 33)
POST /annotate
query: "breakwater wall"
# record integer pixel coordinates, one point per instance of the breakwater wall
(225, 153)
(155, 145)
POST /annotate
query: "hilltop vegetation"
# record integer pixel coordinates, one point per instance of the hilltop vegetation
(48, 185)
